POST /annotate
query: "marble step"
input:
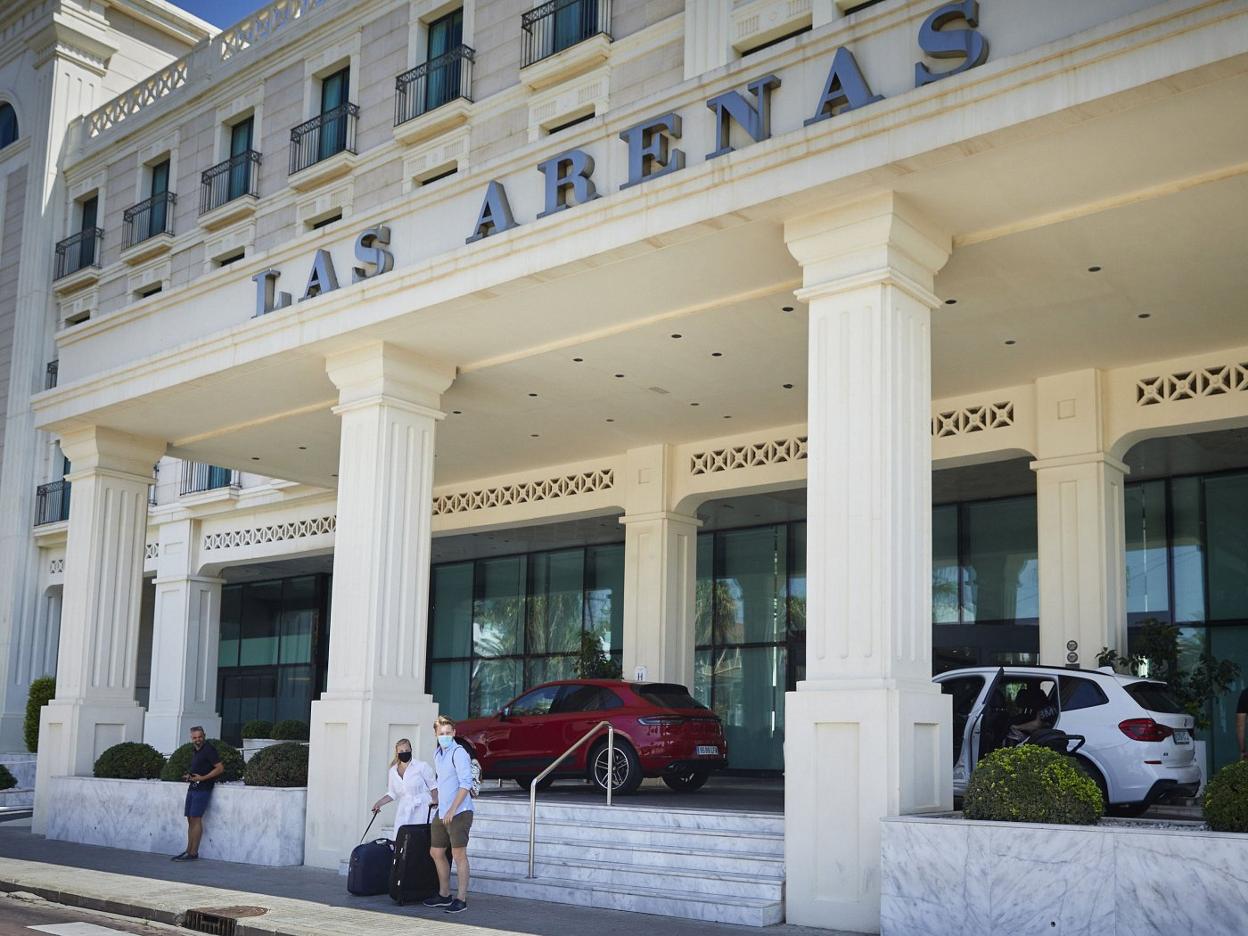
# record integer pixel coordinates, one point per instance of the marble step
(22, 767)
(610, 833)
(614, 875)
(623, 814)
(17, 797)
(660, 902)
(489, 841)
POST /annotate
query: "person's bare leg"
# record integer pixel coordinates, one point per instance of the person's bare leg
(444, 871)
(461, 872)
(194, 834)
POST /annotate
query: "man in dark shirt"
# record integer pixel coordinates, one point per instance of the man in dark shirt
(205, 767)
(1241, 716)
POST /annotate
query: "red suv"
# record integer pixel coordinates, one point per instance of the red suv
(660, 732)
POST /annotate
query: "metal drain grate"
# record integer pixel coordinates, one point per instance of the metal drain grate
(218, 921)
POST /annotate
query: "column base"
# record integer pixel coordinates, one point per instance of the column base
(851, 756)
(72, 735)
(352, 742)
(167, 732)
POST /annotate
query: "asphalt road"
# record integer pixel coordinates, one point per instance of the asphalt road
(21, 917)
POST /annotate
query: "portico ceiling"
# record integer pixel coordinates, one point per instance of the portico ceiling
(1151, 191)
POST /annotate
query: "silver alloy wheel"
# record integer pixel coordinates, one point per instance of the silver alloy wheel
(620, 769)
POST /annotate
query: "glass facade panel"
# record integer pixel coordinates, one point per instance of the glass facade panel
(1187, 550)
(797, 579)
(1000, 582)
(1148, 577)
(1226, 506)
(450, 611)
(498, 612)
(749, 696)
(702, 626)
(298, 619)
(556, 601)
(945, 597)
(604, 596)
(494, 684)
(262, 605)
(231, 627)
(448, 683)
(751, 577)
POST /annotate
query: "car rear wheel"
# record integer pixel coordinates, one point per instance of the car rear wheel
(525, 782)
(627, 768)
(1097, 777)
(686, 781)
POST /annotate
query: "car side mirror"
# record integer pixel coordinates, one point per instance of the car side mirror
(505, 714)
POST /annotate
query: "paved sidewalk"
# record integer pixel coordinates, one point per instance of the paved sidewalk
(299, 901)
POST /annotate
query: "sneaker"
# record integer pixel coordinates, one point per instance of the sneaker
(180, 856)
(185, 857)
(437, 901)
(456, 906)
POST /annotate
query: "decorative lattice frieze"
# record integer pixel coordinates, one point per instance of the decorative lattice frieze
(57, 566)
(971, 419)
(273, 533)
(144, 94)
(1215, 380)
(151, 551)
(262, 24)
(525, 492)
(748, 455)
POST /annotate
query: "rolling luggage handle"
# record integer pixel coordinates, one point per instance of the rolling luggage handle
(367, 827)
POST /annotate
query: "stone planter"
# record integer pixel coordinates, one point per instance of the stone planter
(256, 825)
(947, 875)
(251, 745)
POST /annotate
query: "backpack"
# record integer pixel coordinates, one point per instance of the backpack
(475, 767)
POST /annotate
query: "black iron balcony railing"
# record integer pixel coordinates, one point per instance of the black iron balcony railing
(433, 83)
(235, 177)
(554, 26)
(149, 217)
(323, 136)
(52, 503)
(50, 375)
(198, 477)
(78, 252)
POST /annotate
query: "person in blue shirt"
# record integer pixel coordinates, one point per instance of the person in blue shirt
(205, 768)
(453, 766)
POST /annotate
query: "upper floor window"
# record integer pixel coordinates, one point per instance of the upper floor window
(153, 215)
(8, 125)
(78, 251)
(445, 36)
(559, 24)
(335, 93)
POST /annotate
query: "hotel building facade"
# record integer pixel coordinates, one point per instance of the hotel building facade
(792, 350)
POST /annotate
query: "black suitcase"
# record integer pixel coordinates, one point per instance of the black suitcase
(414, 875)
(369, 871)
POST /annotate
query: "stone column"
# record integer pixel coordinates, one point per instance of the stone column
(376, 692)
(186, 630)
(867, 732)
(70, 58)
(660, 572)
(1080, 524)
(94, 706)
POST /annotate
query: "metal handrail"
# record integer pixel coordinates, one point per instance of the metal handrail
(562, 757)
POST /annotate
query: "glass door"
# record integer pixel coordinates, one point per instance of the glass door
(442, 79)
(574, 22)
(86, 246)
(335, 92)
(240, 165)
(158, 212)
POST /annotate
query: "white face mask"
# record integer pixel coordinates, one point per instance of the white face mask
(446, 740)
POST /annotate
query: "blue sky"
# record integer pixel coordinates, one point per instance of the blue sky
(220, 13)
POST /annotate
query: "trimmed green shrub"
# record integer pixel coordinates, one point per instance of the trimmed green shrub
(1032, 784)
(280, 765)
(258, 728)
(290, 730)
(179, 763)
(130, 760)
(42, 690)
(1226, 799)
(7, 780)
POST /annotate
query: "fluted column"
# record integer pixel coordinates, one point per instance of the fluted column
(376, 693)
(867, 733)
(95, 706)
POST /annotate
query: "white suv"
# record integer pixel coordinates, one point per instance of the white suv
(1139, 740)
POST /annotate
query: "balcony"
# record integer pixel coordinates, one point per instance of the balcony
(52, 503)
(198, 478)
(78, 261)
(323, 148)
(149, 228)
(562, 39)
(50, 375)
(434, 96)
(229, 190)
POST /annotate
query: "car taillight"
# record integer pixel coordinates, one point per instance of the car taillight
(1144, 729)
(667, 721)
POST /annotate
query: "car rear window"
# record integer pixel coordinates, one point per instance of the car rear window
(1154, 697)
(1078, 693)
(668, 696)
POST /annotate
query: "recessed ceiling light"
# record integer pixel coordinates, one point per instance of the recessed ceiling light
(717, 354)
(677, 335)
(578, 360)
(610, 420)
(786, 308)
(333, 476)
(534, 435)
(1094, 269)
(255, 457)
(457, 412)
(619, 375)
(951, 302)
(1144, 315)
(1009, 342)
(727, 417)
(532, 394)
(303, 448)
(787, 386)
(695, 404)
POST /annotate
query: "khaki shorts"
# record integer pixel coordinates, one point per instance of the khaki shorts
(458, 834)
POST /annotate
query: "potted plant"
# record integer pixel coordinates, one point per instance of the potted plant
(257, 734)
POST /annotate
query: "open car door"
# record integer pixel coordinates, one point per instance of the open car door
(991, 723)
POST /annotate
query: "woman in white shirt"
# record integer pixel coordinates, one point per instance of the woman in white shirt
(412, 786)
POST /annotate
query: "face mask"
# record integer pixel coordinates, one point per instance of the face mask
(446, 740)
(405, 756)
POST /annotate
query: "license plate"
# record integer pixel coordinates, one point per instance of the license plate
(1182, 736)
(708, 750)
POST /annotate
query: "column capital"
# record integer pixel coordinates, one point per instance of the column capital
(379, 371)
(667, 515)
(1072, 461)
(867, 240)
(99, 448)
